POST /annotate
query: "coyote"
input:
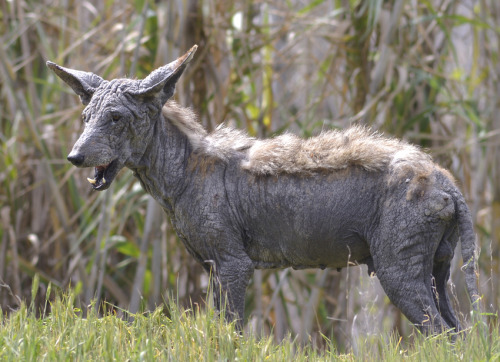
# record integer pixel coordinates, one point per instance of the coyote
(240, 203)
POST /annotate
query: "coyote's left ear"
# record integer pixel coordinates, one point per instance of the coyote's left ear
(161, 82)
(83, 83)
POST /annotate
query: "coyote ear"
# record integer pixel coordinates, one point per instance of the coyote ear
(161, 82)
(83, 83)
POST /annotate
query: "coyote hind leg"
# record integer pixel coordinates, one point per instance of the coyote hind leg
(408, 286)
(441, 274)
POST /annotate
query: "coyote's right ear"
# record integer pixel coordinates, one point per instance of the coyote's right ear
(161, 82)
(83, 83)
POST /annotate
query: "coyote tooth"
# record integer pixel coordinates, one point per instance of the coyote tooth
(91, 180)
(103, 180)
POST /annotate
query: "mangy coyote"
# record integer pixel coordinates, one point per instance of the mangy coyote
(239, 203)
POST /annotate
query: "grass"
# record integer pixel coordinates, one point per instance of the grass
(183, 335)
(198, 333)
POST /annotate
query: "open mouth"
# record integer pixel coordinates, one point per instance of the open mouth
(103, 176)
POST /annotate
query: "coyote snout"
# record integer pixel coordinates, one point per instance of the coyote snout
(93, 150)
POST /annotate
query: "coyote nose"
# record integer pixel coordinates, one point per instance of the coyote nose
(76, 159)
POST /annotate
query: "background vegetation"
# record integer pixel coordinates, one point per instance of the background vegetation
(427, 71)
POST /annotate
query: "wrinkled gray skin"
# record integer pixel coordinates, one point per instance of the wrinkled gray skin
(233, 222)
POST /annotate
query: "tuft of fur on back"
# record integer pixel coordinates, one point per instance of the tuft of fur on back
(224, 141)
(186, 121)
(220, 144)
(333, 150)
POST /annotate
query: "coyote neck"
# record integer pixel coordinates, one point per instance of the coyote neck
(163, 167)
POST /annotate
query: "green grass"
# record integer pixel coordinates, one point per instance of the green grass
(181, 336)
(194, 334)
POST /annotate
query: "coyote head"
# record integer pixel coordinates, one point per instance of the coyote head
(118, 116)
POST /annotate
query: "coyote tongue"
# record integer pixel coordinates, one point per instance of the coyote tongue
(98, 179)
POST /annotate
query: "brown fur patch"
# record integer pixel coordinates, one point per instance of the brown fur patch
(201, 163)
(446, 173)
(418, 185)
